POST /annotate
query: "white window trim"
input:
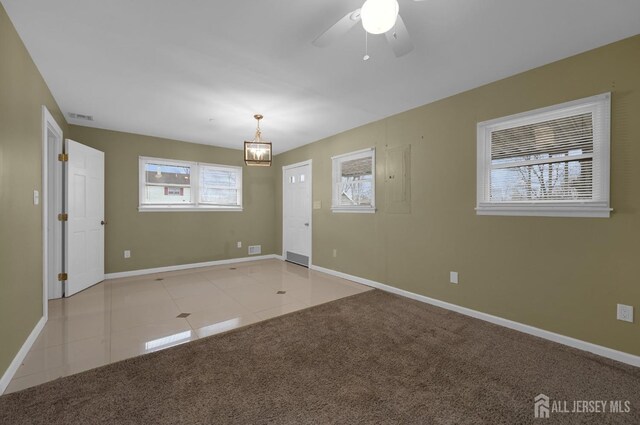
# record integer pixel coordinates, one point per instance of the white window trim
(601, 158)
(362, 209)
(196, 205)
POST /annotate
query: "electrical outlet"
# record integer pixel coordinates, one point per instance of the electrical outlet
(335, 253)
(239, 244)
(453, 277)
(127, 254)
(625, 313)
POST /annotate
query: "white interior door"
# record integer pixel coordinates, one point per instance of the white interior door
(296, 213)
(84, 232)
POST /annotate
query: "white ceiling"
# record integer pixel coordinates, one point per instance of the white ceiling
(199, 70)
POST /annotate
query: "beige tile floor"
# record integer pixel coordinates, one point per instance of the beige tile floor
(123, 318)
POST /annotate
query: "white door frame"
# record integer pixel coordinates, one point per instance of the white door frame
(308, 162)
(50, 287)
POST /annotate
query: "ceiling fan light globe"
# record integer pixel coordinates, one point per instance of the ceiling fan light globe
(379, 16)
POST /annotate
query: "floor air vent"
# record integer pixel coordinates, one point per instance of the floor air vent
(300, 259)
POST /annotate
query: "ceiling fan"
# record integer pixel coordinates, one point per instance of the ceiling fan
(377, 16)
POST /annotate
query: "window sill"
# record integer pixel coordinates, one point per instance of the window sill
(361, 210)
(595, 210)
(186, 209)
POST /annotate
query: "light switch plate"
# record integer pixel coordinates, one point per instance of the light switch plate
(317, 205)
(36, 197)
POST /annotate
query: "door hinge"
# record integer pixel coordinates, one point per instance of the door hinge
(62, 276)
(63, 157)
(63, 217)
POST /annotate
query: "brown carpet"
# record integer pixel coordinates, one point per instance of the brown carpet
(369, 358)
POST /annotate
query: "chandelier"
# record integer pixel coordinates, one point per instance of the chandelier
(257, 152)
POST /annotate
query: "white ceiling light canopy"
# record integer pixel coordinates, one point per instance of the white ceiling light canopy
(379, 16)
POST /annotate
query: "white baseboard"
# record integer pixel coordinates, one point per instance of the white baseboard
(551, 336)
(19, 358)
(189, 266)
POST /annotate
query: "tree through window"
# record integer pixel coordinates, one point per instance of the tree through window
(354, 182)
(554, 161)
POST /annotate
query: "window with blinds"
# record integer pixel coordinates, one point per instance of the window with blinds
(172, 185)
(220, 185)
(354, 182)
(552, 161)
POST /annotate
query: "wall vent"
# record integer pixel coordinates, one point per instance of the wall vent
(255, 249)
(80, 116)
(300, 259)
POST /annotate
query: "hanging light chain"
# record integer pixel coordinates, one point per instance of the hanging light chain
(258, 117)
(366, 46)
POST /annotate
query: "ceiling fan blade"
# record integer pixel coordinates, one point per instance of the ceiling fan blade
(399, 39)
(339, 29)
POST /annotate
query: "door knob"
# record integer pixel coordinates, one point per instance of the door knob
(103, 222)
(306, 224)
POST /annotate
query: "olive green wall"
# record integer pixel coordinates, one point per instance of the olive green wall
(159, 239)
(22, 94)
(560, 274)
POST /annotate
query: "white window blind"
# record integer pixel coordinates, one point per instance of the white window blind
(219, 185)
(552, 161)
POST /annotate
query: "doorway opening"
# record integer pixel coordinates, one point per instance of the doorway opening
(51, 206)
(72, 213)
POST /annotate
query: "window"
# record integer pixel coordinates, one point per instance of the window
(171, 185)
(354, 182)
(548, 162)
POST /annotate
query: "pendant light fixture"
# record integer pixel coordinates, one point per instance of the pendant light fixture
(379, 16)
(257, 152)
